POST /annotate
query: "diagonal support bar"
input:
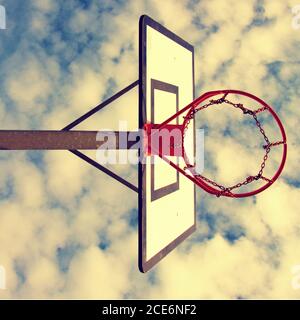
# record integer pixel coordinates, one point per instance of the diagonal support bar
(105, 170)
(89, 114)
(100, 106)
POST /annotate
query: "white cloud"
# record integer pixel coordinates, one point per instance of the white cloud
(215, 270)
(88, 276)
(31, 87)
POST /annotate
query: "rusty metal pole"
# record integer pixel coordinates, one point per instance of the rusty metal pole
(66, 140)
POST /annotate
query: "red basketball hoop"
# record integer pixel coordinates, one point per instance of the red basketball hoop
(205, 183)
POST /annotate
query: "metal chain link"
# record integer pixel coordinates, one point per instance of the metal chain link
(267, 146)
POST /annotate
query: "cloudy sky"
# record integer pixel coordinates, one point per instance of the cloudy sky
(69, 231)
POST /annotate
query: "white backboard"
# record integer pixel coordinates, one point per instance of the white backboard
(166, 198)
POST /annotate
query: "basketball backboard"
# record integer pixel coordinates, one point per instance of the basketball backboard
(166, 198)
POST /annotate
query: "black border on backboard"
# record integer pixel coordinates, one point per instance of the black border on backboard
(167, 189)
(144, 265)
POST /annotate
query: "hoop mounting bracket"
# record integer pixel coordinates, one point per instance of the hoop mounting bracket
(165, 141)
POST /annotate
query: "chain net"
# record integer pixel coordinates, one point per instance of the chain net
(267, 146)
